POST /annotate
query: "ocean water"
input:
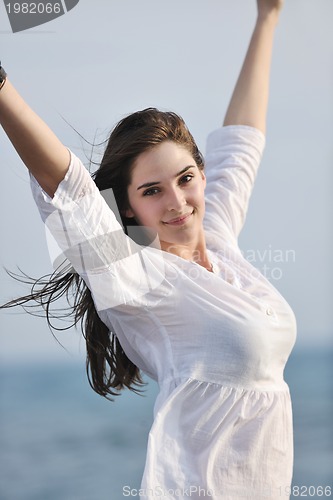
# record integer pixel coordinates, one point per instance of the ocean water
(61, 441)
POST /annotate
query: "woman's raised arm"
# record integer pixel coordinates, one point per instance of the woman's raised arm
(41, 151)
(248, 105)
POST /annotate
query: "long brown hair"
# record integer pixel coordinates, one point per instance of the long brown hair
(108, 368)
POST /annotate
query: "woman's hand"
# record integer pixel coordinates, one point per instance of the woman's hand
(269, 7)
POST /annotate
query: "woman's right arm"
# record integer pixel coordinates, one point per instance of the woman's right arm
(39, 148)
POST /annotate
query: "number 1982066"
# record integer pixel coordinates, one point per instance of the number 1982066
(34, 8)
(307, 491)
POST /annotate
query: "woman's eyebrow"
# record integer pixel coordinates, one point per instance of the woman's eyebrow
(150, 184)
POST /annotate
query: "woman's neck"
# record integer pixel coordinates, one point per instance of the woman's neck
(194, 253)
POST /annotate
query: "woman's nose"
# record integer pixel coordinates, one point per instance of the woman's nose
(176, 200)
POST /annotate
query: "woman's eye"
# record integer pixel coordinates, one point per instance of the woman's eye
(183, 180)
(150, 192)
(186, 179)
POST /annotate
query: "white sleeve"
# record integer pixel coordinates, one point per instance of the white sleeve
(117, 270)
(232, 159)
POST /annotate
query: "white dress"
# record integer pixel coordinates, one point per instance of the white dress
(217, 343)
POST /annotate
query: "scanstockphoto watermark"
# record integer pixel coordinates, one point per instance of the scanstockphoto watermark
(24, 15)
(267, 491)
(270, 261)
(159, 492)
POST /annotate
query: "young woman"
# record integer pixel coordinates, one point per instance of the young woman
(185, 307)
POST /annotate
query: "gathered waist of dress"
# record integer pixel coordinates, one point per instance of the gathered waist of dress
(199, 393)
(174, 382)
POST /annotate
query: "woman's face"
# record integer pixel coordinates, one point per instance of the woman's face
(166, 193)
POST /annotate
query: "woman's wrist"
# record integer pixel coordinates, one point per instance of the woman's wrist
(269, 11)
(267, 21)
(269, 17)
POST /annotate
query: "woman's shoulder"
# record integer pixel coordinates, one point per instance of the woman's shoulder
(237, 135)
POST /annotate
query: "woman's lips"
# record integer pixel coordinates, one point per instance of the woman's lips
(179, 220)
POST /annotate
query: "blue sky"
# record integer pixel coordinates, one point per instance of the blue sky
(105, 59)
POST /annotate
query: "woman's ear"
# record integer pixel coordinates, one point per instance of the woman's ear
(203, 177)
(128, 213)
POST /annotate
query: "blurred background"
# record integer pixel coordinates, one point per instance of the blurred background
(88, 69)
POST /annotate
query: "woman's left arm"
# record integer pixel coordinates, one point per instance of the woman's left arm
(248, 104)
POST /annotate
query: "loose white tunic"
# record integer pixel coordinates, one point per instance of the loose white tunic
(217, 343)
